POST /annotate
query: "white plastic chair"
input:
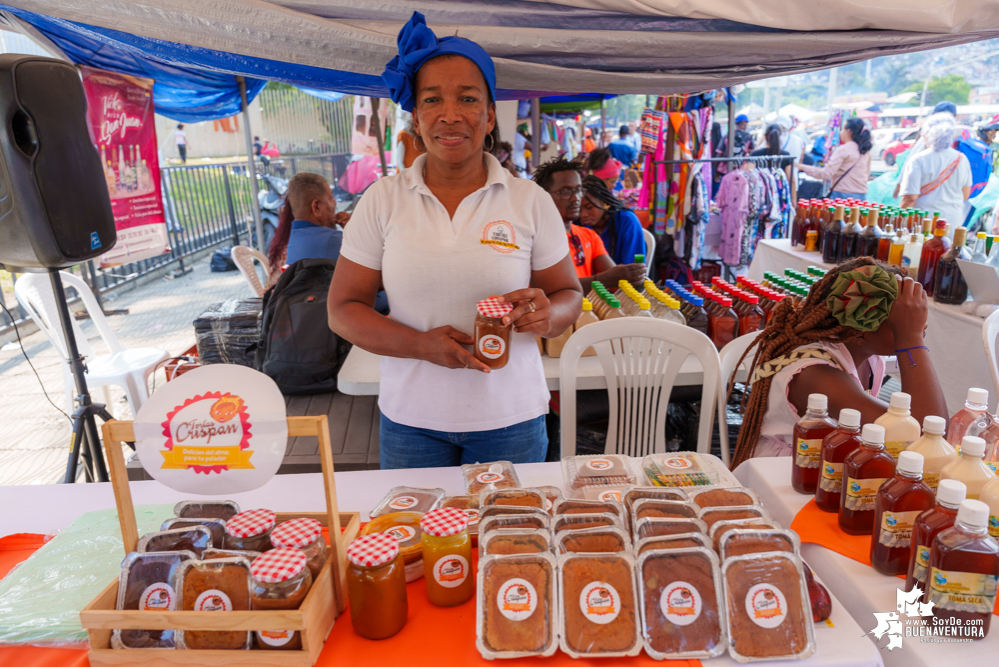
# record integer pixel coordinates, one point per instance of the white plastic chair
(243, 257)
(650, 247)
(640, 358)
(990, 332)
(729, 357)
(128, 368)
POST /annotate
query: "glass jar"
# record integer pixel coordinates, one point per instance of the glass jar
(492, 337)
(250, 530)
(280, 580)
(306, 535)
(447, 557)
(376, 586)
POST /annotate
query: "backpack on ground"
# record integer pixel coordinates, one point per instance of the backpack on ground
(296, 348)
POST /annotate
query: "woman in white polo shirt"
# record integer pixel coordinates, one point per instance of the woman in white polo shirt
(429, 235)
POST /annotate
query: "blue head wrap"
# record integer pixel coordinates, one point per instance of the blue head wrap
(417, 45)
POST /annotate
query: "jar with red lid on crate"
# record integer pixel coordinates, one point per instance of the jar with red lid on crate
(280, 580)
(306, 535)
(250, 530)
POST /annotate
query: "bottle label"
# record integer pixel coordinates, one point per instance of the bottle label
(599, 602)
(157, 597)
(921, 565)
(451, 571)
(994, 526)
(766, 605)
(832, 477)
(517, 599)
(894, 447)
(861, 493)
(491, 346)
(896, 529)
(808, 453)
(993, 466)
(963, 591)
(932, 479)
(680, 602)
(213, 600)
(275, 637)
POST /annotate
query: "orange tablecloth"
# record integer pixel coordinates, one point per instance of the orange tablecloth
(451, 633)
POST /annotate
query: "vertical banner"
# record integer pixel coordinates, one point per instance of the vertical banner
(121, 123)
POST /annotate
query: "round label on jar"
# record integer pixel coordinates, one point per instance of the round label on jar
(473, 517)
(491, 346)
(401, 533)
(613, 494)
(517, 599)
(677, 463)
(489, 477)
(681, 603)
(600, 465)
(213, 600)
(275, 637)
(157, 597)
(451, 571)
(766, 605)
(599, 602)
(403, 503)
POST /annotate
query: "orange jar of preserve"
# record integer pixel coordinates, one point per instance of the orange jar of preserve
(376, 586)
(447, 557)
(492, 337)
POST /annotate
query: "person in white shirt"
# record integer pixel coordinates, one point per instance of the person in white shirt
(789, 141)
(453, 229)
(938, 178)
(180, 137)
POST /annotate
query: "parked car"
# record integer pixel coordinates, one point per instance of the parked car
(885, 136)
(896, 148)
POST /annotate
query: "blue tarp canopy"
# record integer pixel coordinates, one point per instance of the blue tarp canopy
(194, 49)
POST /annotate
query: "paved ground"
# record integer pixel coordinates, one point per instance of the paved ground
(34, 436)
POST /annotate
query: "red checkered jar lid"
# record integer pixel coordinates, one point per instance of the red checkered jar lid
(250, 523)
(373, 550)
(493, 307)
(278, 565)
(444, 522)
(296, 533)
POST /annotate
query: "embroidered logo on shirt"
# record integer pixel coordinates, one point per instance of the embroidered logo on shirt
(500, 236)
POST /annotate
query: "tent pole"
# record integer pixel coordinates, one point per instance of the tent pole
(377, 126)
(251, 167)
(536, 133)
(603, 123)
(730, 144)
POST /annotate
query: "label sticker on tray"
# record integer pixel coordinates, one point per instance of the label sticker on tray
(613, 494)
(473, 517)
(600, 465)
(451, 571)
(681, 603)
(157, 597)
(678, 463)
(403, 503)
(599, 602)
(275, 637)
(517, 599)
(401, 533)
(489, 477)
(213, 600)
(766, 605)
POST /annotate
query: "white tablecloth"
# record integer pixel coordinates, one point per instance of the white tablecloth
(48, 508)
(953, 336)
(859, 587)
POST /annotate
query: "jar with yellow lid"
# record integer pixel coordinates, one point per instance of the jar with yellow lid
(447, 557)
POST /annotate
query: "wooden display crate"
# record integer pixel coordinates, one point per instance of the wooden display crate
(314, 619)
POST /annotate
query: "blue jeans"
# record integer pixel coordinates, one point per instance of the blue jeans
(836, 194)
(409, 447)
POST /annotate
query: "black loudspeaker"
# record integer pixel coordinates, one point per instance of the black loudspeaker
(55, 210)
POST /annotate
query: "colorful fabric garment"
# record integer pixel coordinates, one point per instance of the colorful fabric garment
(733, 198)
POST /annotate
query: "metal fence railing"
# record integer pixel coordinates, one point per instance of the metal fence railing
(205, 206)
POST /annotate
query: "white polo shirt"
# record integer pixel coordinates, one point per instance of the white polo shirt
(435, 269)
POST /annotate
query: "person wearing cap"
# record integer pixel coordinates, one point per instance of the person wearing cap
(980, 153)
(790, 142)
(849, 166)
(622, 149)
(743, 140)
(447, 233)
(939, 177)
(834, 344)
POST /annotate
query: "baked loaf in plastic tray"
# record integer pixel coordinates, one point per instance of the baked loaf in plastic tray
(687, 470)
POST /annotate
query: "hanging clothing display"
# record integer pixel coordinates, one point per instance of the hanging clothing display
(755, 203)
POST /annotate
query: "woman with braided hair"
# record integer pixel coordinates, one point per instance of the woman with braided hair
(617, 226)
(833, 344)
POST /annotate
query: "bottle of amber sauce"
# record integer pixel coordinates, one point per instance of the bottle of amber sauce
(835, 448)
(492, 337)
(936, 451)
(900, 500)
(864, 471)
(950, 494)
(808, 435)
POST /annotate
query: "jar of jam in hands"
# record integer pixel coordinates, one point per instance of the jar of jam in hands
(492, 337)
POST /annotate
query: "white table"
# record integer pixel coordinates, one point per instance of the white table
(48, 508)
(953, 336)
(361, 374)
(859, 587)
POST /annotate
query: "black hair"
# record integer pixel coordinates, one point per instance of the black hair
(773, 139)
(624, 131)
(596, 188)
(858, 129)
(544, 173)
(180, 126)
(716, 134)
(597, 159)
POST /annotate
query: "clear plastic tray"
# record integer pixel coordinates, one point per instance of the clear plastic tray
(742, 541)
(664, 509)
(216, 596)
(710, 515)
(719, 528)
(516, 610)
(495, 475)
(583, 521)
(551, 494)
(408, 499)
(580, 506)
(612, 492)
(598, 606)
(195, 538)
(593, 540)
(724, 497)
(212, 553)
(607, 470)
(206, 509)
(653, 527)
(512, 498)
(536, 520)
(215, 526)
(467, 504)
(678, 541)
(510, 542)
(509, 510)
(683, 609)
(767, 607)
(148, 582)
(686, 470)
(660, 493)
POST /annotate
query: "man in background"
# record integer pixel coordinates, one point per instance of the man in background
(180, 138)
(622, 148)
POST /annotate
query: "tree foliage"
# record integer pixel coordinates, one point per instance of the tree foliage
(950, 87)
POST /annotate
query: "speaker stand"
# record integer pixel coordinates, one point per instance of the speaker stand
(86, 439)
